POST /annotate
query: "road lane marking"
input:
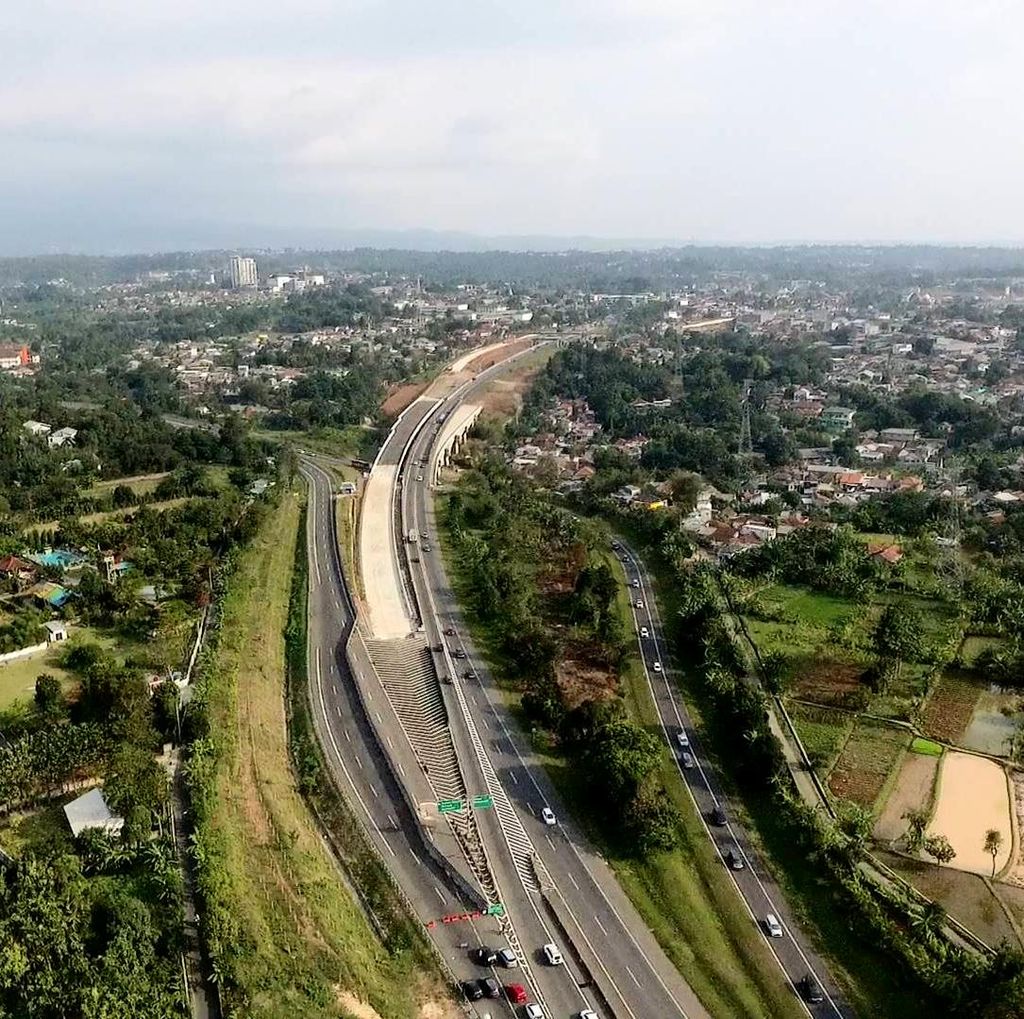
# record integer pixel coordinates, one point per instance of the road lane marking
(439, 894)
(633, 975)
(597, 920)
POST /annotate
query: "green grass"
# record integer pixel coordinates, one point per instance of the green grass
(925, 746)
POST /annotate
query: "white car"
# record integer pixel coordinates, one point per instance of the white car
(643, 632)
(552, 956)
(547, 815)
(657, 666)
(587, 1014)
(682, 739)
(533, 1011)
(636, 583)
(639, 604)
(419, 477)
(772, 926)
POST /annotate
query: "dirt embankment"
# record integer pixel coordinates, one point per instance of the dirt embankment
(399, 397)
(491, 357)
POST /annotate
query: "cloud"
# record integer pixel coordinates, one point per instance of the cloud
(663, 118)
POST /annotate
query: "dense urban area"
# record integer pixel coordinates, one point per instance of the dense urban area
(398, 634)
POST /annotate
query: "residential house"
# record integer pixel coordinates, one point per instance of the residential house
(837, 419)
(91, 811)
(62, 437)
(37, 429)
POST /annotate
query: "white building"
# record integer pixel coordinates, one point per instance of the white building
(243, 272)
(36, 428)
(62, 437)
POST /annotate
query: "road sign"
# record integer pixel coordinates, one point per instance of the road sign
(496, 910)
(482, 802)
(449, 806)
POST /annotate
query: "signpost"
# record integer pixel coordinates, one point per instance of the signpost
(482, 802)
(449, 806)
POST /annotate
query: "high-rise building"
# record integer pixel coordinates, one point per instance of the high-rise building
(243, 272)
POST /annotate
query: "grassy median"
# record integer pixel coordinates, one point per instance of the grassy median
(306, 949)
(685, 896)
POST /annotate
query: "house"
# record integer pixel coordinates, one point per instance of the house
(62, 437)
(890, 553)
(14, 355)
(50, 595)
(347, 488)
(56, 631)
(36, 428)
(837, 419)
(626, 494)
(898, 434)
(90, 811)
(12, 566)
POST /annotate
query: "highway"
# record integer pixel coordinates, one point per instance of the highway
(755, 885)
(614, 966)
(354, 755)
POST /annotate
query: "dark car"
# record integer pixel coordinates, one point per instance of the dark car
(449, 631)
(734, 858)
(483, 956)
(718, 817)
(415, 558)
(426, 548)
(489, 987)
(471, 989)
(438, 648)
(811, 990)
(469, 674)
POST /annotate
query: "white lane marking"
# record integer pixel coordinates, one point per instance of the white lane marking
(390, 743)
(373, 789)
(348, 736)
(604, 930)
(337, 708)
(337, 753)
(512, 775)
(359, 762)
(439, 893)
(633, 975)
(573, 880)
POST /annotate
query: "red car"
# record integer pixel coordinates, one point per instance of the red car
(516, 994)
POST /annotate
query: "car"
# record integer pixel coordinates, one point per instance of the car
(616, 545)
(547, 815)
(423, 534)
(639, 604)
(516, 993)
(811, 990)
(469, 675)
(625, 558)
(419, 477)
(636, 583)
(688, 761)
(483, 956)
(772, 926)
(458, 653)
(471, 989)
(533, 1011)
(490, 987)
(682, 739)
(449, 631)
(426, 548)
(644, 632)
(734, 858)
(552, 954)
(587, 1014)
(718, 818)
(437, 647)
(657, 666)
(507, 958)
(415, 559)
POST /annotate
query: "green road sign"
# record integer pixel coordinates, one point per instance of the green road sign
(483, 802)
(496, 910)
(448, 806)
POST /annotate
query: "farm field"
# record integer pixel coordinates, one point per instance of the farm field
(973, 796)
(866, 762)
(914, 789)
(948, 710)
(822, 732)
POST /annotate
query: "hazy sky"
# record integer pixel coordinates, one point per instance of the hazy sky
(131, 124)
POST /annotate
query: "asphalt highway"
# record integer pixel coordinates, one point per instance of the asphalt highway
(607, 947)
(758, 889)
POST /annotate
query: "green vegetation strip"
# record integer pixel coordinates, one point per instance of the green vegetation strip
(926, 746)
(288, 939)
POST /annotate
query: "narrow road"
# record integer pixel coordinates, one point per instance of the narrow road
(759, 891)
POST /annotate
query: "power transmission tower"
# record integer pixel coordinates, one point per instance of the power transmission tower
(746, 451)
(952, 565)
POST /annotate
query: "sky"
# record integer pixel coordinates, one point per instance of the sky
(142, 125)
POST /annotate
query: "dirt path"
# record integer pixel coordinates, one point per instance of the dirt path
(973, 797)
(913, 791)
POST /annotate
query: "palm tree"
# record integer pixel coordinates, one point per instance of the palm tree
(993, 843)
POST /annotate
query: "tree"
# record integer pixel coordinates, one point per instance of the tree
(930, 920)
(898, 635)
(993, 843)
(917, 823)
(49, 697)
(939, 848)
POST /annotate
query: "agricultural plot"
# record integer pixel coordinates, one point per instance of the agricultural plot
(948, 710)
(822, 732)
(866, 762)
